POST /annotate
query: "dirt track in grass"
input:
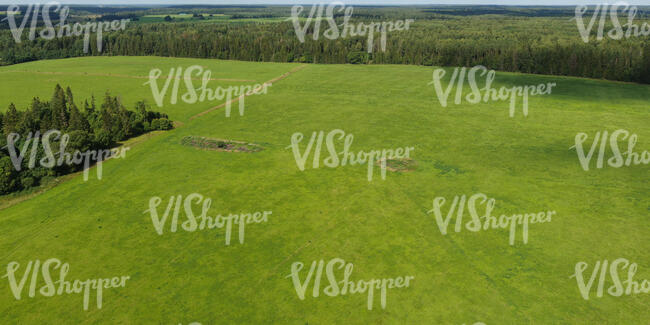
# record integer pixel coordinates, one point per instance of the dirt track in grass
(234, 100)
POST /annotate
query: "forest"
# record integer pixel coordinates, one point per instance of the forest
(516, 39)
(87, 129)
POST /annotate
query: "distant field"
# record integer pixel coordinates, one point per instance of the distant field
(215, 18)
(180, 17)
(382, 227)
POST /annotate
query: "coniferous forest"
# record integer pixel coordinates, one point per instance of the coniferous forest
(541, 40)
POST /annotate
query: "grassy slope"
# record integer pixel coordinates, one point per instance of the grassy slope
(381, 227)
(96, 75)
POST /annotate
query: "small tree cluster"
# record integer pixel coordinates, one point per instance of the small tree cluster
(91, 128)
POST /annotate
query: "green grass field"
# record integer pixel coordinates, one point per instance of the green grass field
(382, 227)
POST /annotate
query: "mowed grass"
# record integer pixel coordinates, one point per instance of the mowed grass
(382, 227)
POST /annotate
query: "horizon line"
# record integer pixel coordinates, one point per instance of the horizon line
(350, 3)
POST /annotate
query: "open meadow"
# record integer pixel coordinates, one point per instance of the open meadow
(384, 227)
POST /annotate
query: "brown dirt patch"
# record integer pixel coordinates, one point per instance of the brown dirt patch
(220, 144)
(398, 165)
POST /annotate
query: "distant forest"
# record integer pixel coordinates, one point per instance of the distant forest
(541, 40)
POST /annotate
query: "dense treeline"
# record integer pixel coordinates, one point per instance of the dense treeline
(508, 42)
(88, 129)
(383, 12)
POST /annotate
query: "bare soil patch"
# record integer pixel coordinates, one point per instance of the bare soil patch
(398, 165)
(220, 144)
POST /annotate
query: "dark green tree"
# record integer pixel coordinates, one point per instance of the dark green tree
(11, 120)
(59, 109)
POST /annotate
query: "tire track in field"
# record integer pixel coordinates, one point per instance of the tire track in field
(114, 75)
(39, 230)
(94, 314)
(498, 288)
(234, 100)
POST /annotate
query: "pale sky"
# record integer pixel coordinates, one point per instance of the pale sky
(348, 2)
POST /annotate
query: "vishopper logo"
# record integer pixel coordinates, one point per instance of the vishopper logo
(344, 286)
(49, 160)
(333, 161)
(206, 93)
(202, 221)
(489, 222)
(348, 30)
(617, 32)
(49, 32)
(618, 159)
(50, 289)
(618, 288)
(486, 93)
